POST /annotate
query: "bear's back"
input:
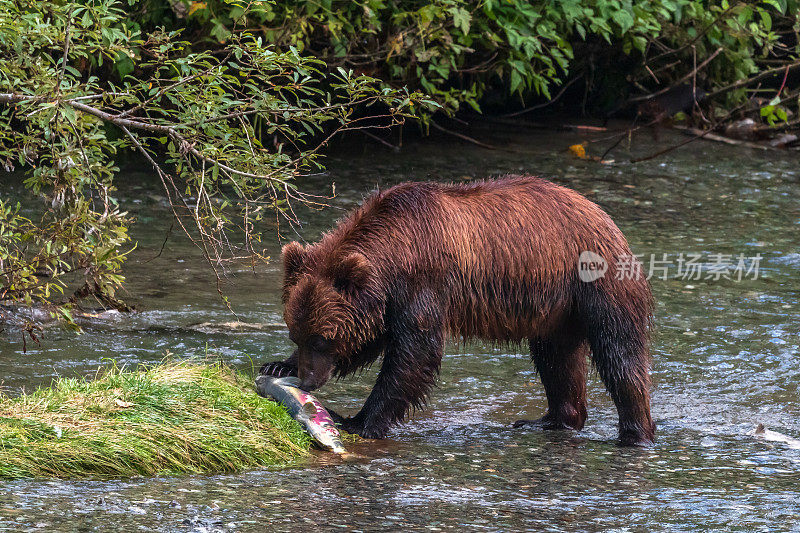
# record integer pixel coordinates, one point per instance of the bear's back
(503, 252)
(512, 225)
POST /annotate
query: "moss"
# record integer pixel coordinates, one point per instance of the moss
(173, 418)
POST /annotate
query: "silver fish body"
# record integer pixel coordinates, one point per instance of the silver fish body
(774, 436)
(304, 408)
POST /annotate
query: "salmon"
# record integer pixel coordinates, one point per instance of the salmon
(304, 408)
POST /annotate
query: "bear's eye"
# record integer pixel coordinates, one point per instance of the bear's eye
(318, 343)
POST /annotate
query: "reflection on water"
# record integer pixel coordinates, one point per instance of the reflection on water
(726, 358)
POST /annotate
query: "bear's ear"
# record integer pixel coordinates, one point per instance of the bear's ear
(293, 256)
(352, 273)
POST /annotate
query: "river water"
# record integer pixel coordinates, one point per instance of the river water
(725, 351)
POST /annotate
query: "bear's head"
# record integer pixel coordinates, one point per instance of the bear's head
(330, 307)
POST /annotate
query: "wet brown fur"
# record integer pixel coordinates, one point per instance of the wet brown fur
(493, 260)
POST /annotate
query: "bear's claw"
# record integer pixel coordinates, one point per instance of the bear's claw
(351, 425)
(336, 417)
(278, 369)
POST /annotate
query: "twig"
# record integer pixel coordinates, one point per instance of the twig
(517, 123)
(463, 137)
(202, 244)
(236, 114)
(168, 130)
(751, 106)
(96, 96)
(178, 83)
(122, 122)
(622, 136)
(383, 142)
(66, 50)
(164, 178)
(758, 77)
(697, 37)
(677, 83)
(727, 140)
(783, 84)
(671, 148)
(163, 244)
(707, 135)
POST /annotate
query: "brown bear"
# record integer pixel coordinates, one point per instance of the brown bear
(495, 260)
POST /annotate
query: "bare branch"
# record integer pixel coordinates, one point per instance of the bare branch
(66, 50)
(760, 76)
(675, 84)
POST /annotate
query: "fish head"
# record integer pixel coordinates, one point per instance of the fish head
(331, 309)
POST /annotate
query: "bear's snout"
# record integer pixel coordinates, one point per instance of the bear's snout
(313, 378)
(310, 383)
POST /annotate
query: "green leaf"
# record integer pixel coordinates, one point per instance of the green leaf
(623, 19)
(780, 5)
(516, 82)
(219, 31)
(461, 19)
(123, 65)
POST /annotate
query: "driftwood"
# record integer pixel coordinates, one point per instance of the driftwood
(727, 140)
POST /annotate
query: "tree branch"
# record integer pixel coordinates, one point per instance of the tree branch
(675, 84)
(758, 77)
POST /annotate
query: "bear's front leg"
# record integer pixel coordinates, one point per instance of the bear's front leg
(412, 357)
(280, 369)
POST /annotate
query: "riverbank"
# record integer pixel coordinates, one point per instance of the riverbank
(170, 418)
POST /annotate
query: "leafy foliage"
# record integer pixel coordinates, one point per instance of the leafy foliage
(237, 123)
(231, 100)
(458, 51)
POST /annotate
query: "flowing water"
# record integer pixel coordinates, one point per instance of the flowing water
(725, 359)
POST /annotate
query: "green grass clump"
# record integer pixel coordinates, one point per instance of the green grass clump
(173, 418)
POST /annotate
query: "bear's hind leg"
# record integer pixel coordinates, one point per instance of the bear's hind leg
(619, 343)
(561, 364)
